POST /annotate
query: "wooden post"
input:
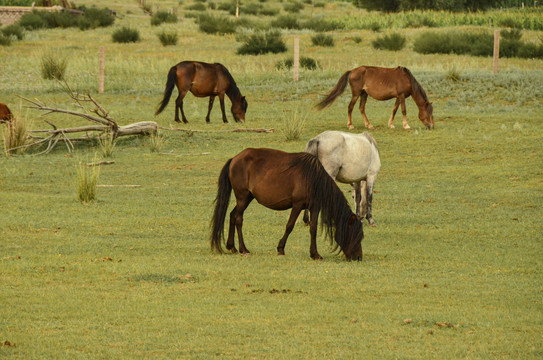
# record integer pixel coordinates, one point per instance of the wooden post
(237, 9)
(102, 68)
(296, 62)
(496, 50)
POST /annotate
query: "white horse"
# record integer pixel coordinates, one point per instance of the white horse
(350, 159)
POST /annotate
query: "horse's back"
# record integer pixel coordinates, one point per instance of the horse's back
(381, 83)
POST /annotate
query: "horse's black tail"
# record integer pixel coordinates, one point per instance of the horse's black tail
(221, 206)
(170, 84)
(336, 91)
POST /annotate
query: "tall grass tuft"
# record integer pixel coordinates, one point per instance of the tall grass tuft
(294, 126)
(156, 142)
(53, 67)
(87, 179)
(5, 40)
(216, 24)
(393, 42)
(107, 145)
(15, 136)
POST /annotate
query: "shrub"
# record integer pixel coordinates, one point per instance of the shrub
(286, 22)
(216, 24)
(5, 40)
(453, 75)
(32, 21)
(53, 68)
(293, 7)
(196, 7)
(269, 11)
(357, 39)
(262, 43)
(393, 42)
(512, 34)
(167, 38)
(321, 25)
(126, 35)
(13, 30)
(59, 19)
(322, 40)
(163, 17)
(305, 63)
(94, 17)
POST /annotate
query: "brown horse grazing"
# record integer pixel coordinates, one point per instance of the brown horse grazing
(382, 84)
(5, 113)
(280, 181)
(202, 80)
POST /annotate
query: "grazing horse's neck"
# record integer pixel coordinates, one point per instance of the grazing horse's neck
(418, 95)
(233, 92)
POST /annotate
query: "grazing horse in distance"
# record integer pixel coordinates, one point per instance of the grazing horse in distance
(5, 113)
(280, 181)
(350, 159)
(382, 84)
(202, 80)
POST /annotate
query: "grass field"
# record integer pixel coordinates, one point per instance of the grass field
(452, 270)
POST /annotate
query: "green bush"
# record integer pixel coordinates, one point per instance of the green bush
(167, 39)
(196, 7)
(13, 30)
(293, 7)
(305, 63)
(393, 42)
(216, 24)
(512, 34)
(286, 22)
(161, 17)
(53, 68)
(96, 17)
(32, 21)
(322, 40)
(5, 40)
(262, 43)
(126, 35)
(320, 24)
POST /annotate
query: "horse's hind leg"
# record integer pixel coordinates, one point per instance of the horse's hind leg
(313, 231)
(236, 223)
(369, 199)
(362, 107)
(350, 111)
(211, 100)
(179, 104)
(357, 188)
(390, 124)
(290, 225)
(404, 113)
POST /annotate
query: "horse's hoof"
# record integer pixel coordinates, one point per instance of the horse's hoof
(407, 127)
(246, 255)
(391, 126)
(351, 127)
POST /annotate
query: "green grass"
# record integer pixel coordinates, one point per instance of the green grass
(452, 270)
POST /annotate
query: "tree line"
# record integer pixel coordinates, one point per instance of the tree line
(450, 5)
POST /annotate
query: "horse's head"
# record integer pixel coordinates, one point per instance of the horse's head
(355, 234)
(426, 115)
(239, 108)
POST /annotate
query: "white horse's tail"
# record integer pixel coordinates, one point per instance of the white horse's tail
(313, 147)
(371, 140)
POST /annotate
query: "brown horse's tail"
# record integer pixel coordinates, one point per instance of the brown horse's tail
(170, 84)
(221, 206)
(336, 91)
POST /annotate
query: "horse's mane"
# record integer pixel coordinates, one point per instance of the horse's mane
(415, 86)
(327, 198)
(233, 89)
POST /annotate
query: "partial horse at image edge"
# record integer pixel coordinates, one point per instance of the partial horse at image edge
(203, 80)
(382, 84)
(279, 181)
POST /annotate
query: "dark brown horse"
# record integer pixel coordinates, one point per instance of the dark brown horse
(5, 113)
(202, 80)
(382, 84)
(280, 181)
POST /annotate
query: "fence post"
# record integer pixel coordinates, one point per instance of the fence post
(296, 61)
(101, 74)
(496, 50)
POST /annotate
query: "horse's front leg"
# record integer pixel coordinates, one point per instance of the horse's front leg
(211, 100)
(369, 199)
(404, 113)
(357, 188)
(313, 232)
(221, 101)
(236, 221)
(296, 209)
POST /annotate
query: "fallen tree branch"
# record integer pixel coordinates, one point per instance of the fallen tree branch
(100, 163)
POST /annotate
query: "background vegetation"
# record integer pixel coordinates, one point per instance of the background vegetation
(453, 269)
